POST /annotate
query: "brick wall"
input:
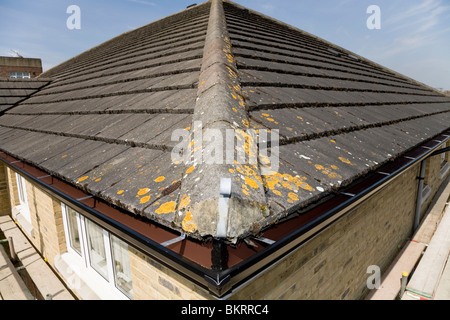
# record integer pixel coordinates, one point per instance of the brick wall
(46, 218)
(34, 72)
(333, 265)
(152, 281)
(11, 64)
(433, 179)
(12, 188)
(5, 205)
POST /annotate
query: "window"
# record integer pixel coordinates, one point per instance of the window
(73, 228)
(22, 193)
(101, 258)
(122, 270)
(96, 248)
(19, 75)
(445, 159)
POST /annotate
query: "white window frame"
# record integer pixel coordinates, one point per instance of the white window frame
(20, 75)
(105, 288)
(21, 212)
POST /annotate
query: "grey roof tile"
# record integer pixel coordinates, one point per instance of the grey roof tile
(103, 121)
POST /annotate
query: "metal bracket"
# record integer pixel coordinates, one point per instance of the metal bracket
(222, 219)
(348, 194)
(85, 198)
(173, 241)
(265, 240)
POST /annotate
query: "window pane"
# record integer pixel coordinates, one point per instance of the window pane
(122, 270)
(20, 189)
(96, 247)
(73, 230)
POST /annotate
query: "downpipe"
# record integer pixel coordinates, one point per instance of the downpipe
(423, 168)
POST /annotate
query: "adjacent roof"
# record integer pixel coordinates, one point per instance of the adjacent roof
(105, 121)
(14, 91)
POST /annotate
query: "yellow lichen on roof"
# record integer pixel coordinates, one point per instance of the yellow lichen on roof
(187, 223)
(167, 208)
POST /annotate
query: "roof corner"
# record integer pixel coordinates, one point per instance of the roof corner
(220, 110)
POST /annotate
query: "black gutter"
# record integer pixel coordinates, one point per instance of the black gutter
(221, 282)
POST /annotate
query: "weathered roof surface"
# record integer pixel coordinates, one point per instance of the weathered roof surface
(105, 121)
(339, 115)
(13, 91)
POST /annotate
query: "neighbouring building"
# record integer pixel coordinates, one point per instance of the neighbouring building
(20, 67)
(87, 168)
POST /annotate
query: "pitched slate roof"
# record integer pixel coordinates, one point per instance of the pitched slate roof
(13, 91)
(105, 121)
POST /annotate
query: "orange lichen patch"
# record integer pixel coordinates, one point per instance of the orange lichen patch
(64, 156)
(185, 201)
(98, 180)
(252, 183)
(190, 170)
(328, 171)
(286, 181)
(265, 115)
(187, 223)
(143, 192)
(245, 190)
(146, 199)
(160, 179)
(83, 179)
(345, 160)
(278, 193)
(231, 171)
(167, 208)
(120, 192)
(333, 141)
(293, 197)
(250, 145)
(234, 109)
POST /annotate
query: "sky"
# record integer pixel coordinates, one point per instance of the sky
(413, 39)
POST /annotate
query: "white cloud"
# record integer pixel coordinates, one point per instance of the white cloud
(148, 3)
(417, 19)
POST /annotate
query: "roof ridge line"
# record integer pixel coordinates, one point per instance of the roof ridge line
(220, 107)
